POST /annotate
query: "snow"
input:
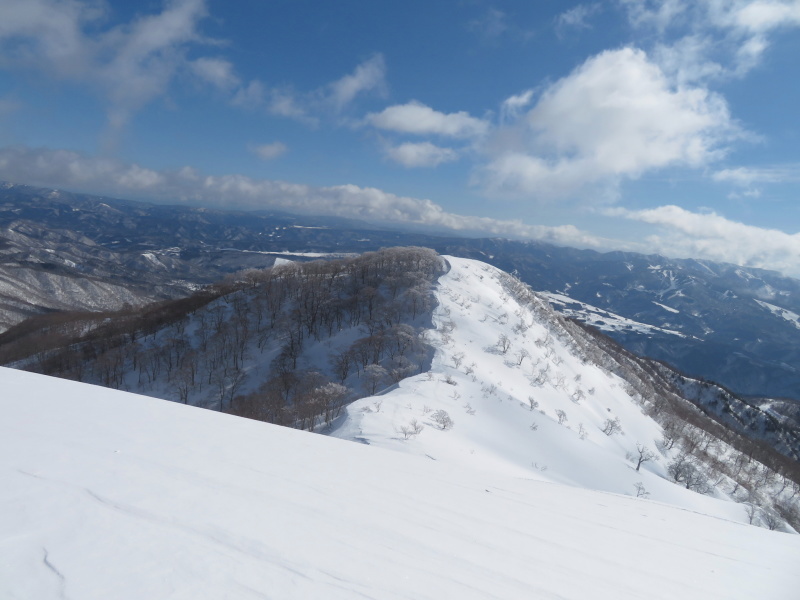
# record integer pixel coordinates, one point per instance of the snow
(493, 419)
(105, 494)
(602, 319)
(303, 254)
(667, 308)
(787, 315)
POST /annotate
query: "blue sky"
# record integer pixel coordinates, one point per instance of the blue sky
(656, 125)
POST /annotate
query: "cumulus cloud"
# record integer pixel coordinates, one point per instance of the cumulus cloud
(419, 119)
(270, 151)
(616, 116)
(711, 236)
(423, 154)
(71, 170)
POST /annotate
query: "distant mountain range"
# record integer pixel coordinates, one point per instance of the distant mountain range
(737, 326)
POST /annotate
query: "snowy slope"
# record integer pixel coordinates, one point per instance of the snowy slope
(486, 394)
(782, 313)
(109, 495)
(605, 320)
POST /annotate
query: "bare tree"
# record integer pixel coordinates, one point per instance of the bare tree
(611, 426)
(643, 455)
(521, 355)
(562, 416)
(503, 343)
(374, 375)
(442, 419)
(412, 429)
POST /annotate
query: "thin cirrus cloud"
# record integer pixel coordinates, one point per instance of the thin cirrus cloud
(71, 170)
(712, 236)
(577, 17)
(134, 63)
(270, 151)
(369, 77)
(130, 64)
(738, 32)
(616, 116)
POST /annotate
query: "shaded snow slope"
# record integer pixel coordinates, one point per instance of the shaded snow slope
(485, 387)
(109, 495)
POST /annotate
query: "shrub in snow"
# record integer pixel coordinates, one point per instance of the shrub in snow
(412, 429)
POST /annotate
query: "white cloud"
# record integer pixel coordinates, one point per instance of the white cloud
(491, 25)
(512, 106)
(270, 151)
(216, 71)
(419, 119)
(423, 154)
(746, 176)
(309, 107)
(714, 237)
(131, 64)
(578, 16)
(616, 116)
(687, 61)
(369, 76)
(750, 180)
(659, 14)
(71, 170)
(756, 16)
(735, 34)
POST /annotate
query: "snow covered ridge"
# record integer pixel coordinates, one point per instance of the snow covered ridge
(110, 495)
(515, 388)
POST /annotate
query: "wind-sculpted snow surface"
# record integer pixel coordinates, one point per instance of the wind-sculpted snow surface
(105, 494)
(525, 398)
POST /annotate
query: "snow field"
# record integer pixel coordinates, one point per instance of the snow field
(105, 494)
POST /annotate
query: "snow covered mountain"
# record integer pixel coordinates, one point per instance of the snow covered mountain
(110, 495)
(452, 360)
